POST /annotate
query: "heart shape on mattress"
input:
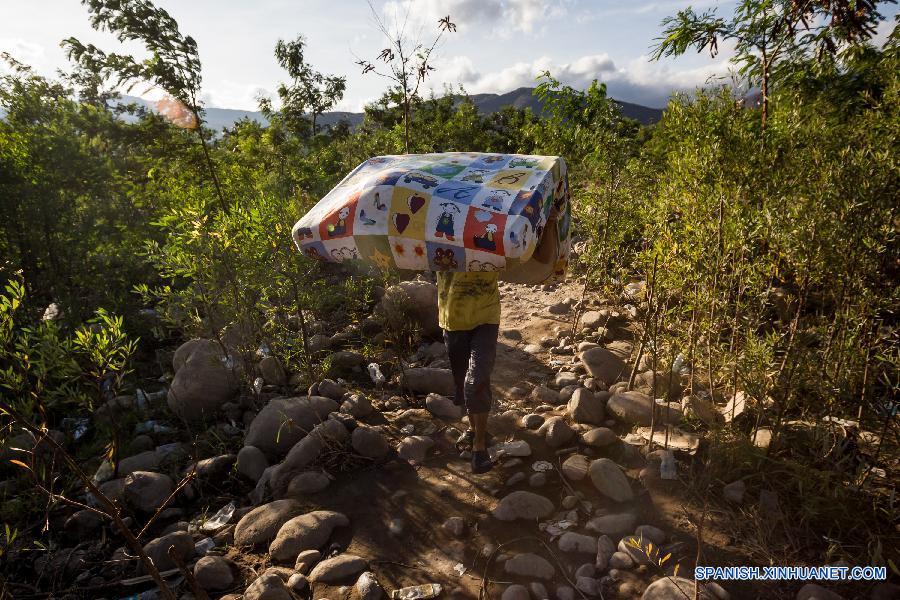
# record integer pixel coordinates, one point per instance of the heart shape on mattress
(415, 203)
(401, 221)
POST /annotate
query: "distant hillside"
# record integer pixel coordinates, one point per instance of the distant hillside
(524, 98)
(220, 118)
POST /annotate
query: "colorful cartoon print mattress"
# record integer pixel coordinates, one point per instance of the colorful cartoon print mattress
(454, 211)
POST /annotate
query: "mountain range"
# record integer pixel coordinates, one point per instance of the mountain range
(219, 118)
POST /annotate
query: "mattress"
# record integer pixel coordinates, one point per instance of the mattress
(453, 211)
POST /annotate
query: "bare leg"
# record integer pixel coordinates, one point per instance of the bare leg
(479, 426)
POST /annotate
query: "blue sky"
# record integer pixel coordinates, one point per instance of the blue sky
(499, 45)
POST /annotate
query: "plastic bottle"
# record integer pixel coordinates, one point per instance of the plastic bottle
(417, 592)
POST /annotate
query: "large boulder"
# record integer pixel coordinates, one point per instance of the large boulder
(271, 371)
(308, 482)
(143, 461)
(267, 586)
(297, 460)
(414, 448)
(146, 491)
(530, 565)
(368, 588)
(556, 432)
(442, 407)
(571, 541)
(285, 421)
(158, 549)
(426, 380)
(369, 442)
(213, 467)
(587, 407)
(262, 524)
(199, 352)
(616, 524)
(199, 389)
(658, 387)
(634, 408)
(214, 573)
(305, 532)
(677, 588)
(608, 364)
(251, 462)
(576, 467)
(415, 300)
(21, 444)
(301, 456)
(593, 319)
(609, 480)
(600, 437)
(523, 505)
(344, 361)
(357, 406)
(337, 569)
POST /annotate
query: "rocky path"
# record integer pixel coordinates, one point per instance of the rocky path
(561, 516)
(352, 490)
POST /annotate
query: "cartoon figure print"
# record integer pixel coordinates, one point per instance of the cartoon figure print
(445, 223)
(486, 240)
(476, 176)
(519, 238)
(379, 206)
(495, 200)
(313, 252)
(339, 227)
(445, 260)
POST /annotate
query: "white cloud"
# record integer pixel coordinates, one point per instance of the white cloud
(665, 7)
(231, 94)
(639, 80)
(489, 16)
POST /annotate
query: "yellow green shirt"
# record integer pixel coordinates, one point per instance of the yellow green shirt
(467, 299)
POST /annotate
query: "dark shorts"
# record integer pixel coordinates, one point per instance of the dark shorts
(472, 353)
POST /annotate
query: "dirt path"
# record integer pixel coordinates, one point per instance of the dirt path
(419, 499)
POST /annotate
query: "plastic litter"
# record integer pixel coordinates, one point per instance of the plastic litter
(148, 595)
(556, 528)
(667, 468)
(157, 396)
(376, 375)
(460, 569)
(141, 399)
(258, 384)
(220, 519)
(417, 592)
(679, 365)
(152, 427)
(204, 546)
(542, 465)
(78, 427)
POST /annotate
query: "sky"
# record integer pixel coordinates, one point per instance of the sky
(499, 45)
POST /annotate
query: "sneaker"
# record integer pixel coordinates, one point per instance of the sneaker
(465, 441)
(481, 462)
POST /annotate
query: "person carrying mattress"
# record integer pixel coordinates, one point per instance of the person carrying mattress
(469, 314)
